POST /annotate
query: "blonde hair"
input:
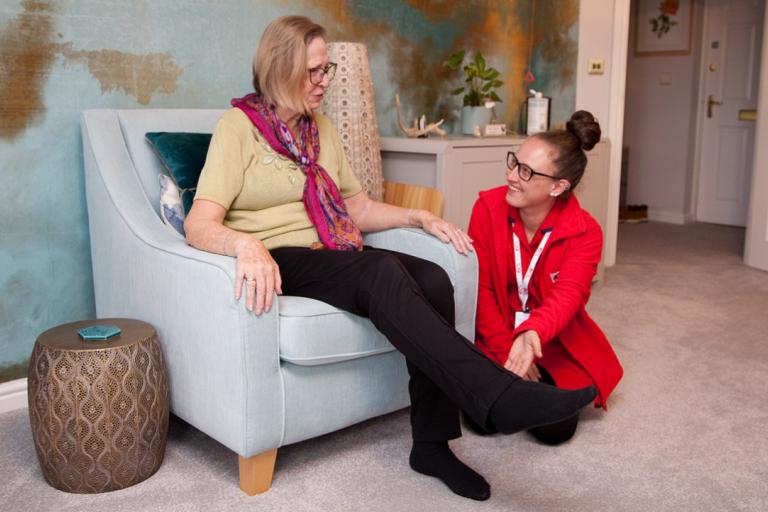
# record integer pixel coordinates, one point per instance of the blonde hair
(280, 62)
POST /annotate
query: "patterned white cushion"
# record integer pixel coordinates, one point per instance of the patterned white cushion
(171, 209)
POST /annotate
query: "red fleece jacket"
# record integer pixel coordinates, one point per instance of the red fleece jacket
(570, 258)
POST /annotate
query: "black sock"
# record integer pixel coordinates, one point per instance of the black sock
(556, 433)
(526, 404)
(437, 459)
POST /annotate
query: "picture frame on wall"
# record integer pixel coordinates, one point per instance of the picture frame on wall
(663, 27)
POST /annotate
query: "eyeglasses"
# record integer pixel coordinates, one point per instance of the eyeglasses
(317, 74)
(524, 170)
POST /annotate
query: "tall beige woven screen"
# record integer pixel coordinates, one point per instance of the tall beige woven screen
(349, 102)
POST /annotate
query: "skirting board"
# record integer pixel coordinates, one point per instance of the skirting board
(669, 217)
(13, 395)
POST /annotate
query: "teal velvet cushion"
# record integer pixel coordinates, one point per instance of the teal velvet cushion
(183, 155)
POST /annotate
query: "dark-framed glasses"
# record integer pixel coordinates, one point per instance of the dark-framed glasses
(524, 170)
(317, 74)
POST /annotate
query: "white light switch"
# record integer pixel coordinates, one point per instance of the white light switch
(665, 78)
(596, 66)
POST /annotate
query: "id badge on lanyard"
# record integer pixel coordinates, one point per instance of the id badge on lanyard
(523, 282)
(521, 317)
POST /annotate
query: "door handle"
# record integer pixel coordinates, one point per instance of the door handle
(711, 101)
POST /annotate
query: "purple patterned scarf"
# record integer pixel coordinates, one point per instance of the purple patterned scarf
(321, 197)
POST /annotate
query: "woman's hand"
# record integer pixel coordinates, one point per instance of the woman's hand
(445, 231)
(260, 272)
(204, 228)
(525, 348)
(533, 373)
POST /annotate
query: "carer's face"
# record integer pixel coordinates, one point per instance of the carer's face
(317, 56)
(537, 154)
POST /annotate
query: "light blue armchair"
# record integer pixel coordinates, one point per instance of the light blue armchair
(253, 383)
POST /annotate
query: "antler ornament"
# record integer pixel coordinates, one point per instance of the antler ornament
(420, 127)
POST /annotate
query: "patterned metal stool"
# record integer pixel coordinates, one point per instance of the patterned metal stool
(98, 409)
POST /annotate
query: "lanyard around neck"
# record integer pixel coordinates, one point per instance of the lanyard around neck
(523, 282)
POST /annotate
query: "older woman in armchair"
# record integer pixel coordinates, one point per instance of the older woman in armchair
(278, 194)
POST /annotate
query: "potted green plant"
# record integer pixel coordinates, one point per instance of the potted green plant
(481, 82)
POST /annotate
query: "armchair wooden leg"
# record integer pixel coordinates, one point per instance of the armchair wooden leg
(256, 472)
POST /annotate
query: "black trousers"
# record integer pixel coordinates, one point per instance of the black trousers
(410, 300)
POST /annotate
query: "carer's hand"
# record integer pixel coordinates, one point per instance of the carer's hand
(260, 272)
(533, 373)
(446, 232)
(525, 348)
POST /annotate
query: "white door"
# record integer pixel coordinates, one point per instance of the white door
(731, 70)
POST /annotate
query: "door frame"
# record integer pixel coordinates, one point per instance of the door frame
(615, 132)
(621, 15)
(693, 192)
(756, 238)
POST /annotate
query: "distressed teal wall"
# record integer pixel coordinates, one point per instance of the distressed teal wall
(60, 57)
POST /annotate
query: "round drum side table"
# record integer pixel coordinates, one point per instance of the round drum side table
(98, 409)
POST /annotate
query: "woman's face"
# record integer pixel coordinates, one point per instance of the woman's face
(317, 57)
(538, 155)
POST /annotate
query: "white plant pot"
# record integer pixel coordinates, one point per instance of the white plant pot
(474, 116)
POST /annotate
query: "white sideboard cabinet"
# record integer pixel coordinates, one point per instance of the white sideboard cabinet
(460, 167)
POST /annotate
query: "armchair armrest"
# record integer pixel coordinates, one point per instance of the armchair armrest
(462, 270)
(222, 361)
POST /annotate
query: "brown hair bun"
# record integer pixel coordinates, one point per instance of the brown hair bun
(585, 128)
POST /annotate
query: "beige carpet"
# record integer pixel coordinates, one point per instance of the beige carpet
(686, 428)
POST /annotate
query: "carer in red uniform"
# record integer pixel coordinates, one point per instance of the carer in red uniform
(546, 333)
